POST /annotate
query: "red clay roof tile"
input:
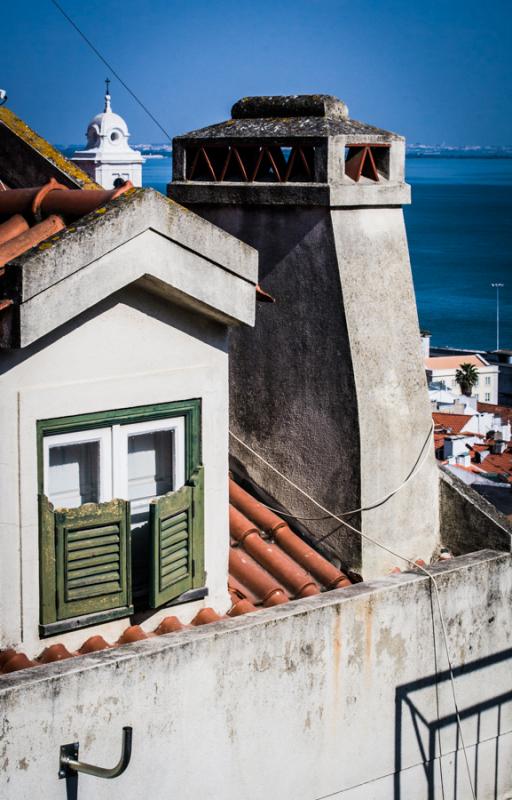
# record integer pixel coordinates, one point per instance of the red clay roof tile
(206, 616)
(504, 412)
(170, 625)
(93, 644)
(253, 582)
(16, 662)
(499, 464)
(276, 574)
(30, 238)
(55, 652)
(132, 634)
(12, 228)
(275, 560)
(32, 215)
(455, 422)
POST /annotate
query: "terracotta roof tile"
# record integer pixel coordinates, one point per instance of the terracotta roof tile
(56, 652)
(504, 412)
(499, 464)
(455, 422)
(93, 644)
(30, 216)
(253, 582)
(454, 362)
(297, 581)
(268, 565)
(322, 571)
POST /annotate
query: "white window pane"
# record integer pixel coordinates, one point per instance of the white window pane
(74, 474)
(150, 469)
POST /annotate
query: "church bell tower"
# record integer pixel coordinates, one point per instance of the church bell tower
(108, 158)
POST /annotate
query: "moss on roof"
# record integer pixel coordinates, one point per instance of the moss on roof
(45, 149)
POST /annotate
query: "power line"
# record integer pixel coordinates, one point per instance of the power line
(110, 67)
(423, 455)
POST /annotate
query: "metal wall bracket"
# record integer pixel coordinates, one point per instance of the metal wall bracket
(69, 765)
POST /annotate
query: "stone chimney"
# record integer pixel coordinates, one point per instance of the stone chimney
(329, 387)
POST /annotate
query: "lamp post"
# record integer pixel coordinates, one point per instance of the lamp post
(497, 286)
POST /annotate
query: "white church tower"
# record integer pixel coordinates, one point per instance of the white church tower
(109, 160)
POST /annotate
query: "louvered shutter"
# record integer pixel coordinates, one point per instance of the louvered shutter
(176, 529)
(92, 558)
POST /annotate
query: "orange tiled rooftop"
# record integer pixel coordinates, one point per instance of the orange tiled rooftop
(30, 216)
(453, 362)
(269, 565)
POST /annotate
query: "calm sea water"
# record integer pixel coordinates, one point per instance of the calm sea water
(460, 237)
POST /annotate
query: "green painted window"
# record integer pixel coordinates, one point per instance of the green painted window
(121, 512)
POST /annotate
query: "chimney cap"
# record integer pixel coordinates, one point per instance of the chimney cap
(296, 105)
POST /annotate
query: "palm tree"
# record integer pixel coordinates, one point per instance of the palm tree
(467, 377)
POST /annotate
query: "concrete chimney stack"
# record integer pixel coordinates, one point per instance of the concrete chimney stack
(330, 385)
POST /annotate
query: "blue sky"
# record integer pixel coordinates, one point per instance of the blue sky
(436, 71)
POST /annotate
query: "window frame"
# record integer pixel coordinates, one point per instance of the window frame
(120, 434)
(88, 424)
(100, 435)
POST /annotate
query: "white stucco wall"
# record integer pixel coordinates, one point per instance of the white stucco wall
(337, 696)
(132, 350)
(105, 174)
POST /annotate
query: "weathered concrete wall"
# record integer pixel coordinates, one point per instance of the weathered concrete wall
(292, 391)
(341, 695)
(468, 521)
(394, 409)
(330, 385)
(133, 349)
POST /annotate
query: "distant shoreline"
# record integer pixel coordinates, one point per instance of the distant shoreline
(462, 154)
(412, 151)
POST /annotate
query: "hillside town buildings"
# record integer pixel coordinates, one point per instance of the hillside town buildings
(221, 517)
(441, 370)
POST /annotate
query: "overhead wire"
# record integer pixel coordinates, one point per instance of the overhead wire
(338, 517)
(111, 68)
(423, 455)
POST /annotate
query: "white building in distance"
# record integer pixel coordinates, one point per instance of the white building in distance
(108, 159)
(442, 369)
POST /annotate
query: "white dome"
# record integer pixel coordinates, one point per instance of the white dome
(107, 126)
(108, 157)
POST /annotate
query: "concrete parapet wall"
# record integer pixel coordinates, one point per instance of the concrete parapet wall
(468, 521)
(341, 695)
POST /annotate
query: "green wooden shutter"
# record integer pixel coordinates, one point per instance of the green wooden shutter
(176, 528)
(92, 558)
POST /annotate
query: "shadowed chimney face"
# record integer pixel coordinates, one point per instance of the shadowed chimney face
(329, 386)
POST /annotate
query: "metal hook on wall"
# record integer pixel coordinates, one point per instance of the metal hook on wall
(69, 765)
